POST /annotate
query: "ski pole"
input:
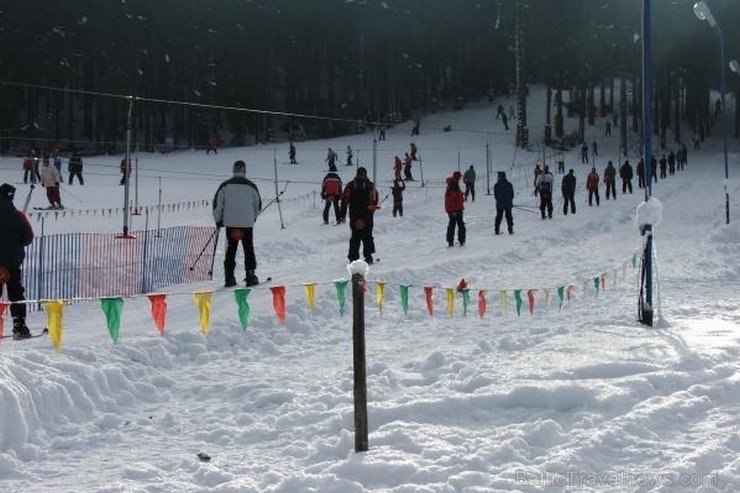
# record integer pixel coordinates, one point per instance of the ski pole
(213, 255)
(204, 247)
(28, 198)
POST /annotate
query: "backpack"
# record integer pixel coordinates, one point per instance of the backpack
(545, 188)
(332, 187)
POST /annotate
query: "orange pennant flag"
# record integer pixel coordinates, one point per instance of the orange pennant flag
(530, 297)
(3, 306)
(159, 310)
(278, 302)
(428, 292)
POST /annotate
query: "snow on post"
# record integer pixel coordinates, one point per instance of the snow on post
(649, 212)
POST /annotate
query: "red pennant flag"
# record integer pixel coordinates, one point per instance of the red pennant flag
(569, 292)
(3, 306)
(482, 303)
(159, 310)
(603, 282)
(278, 302)
(530, 297)
(428, 291)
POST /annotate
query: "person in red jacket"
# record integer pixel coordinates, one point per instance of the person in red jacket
(331, 193)
(592, 184)
(397, 168)
(454, 206)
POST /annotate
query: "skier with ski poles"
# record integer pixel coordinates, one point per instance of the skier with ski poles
(236, 205)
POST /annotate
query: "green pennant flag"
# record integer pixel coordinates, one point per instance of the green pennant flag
(112, 307)
(597, 283)
(341, 287)
(404, 298)
(466, 301)
(561, 295)
(518, 298)
(240, 295)
(634, 260)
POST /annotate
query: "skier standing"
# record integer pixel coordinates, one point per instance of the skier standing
(291, 153)
(397, 165)
(568, 187)
(236, 205)
(50, 179)
(331, 158)
(469, 181)
(397, 191)
(349, 156)
(544, 187)
(17, 234)
(331, 192)
(408, 160)
(625, 173)
(610, 178)
(74, 167)
(641, 173)
(503, 192)
(592, 184)
(454, 206)
(361, 198)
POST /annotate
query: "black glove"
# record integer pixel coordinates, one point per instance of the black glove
(219, 224)
(323, 196)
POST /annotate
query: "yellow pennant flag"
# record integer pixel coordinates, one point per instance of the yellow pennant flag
(450, 300)
(310, 289)
(202, 300)
(504, 297)
(548, 294)
(55, 320)
(380, 294)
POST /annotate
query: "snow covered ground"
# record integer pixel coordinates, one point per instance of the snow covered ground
(578, 399)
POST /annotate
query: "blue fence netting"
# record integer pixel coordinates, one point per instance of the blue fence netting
(94, 265)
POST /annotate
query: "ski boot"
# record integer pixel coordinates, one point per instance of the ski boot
(251, 279)
(20, 330)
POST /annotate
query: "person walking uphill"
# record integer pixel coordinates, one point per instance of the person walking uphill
(236, 205)
(361, 198)
(17, 234)
(331, 193)
(454, 206)
(469, 181)
(503, 192)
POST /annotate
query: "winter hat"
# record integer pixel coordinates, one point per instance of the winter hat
(501, 175)
(456, 175)
(7, 191)
(361, 171)
(240, 168)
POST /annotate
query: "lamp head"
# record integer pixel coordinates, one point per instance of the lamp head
(702, 12)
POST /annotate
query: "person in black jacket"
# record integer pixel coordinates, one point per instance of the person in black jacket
(568, 187)
(16, 235)
(625, 172)
(361, 199)
(397, 191)
(74, 166)
(503, 192)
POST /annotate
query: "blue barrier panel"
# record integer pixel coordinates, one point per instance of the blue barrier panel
(87, 265)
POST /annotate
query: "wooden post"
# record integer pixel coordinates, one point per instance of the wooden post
(360, 375)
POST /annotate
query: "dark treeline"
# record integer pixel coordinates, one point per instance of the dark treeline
(366, 60)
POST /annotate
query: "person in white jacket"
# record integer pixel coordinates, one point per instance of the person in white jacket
(50, 178)
(236, 205)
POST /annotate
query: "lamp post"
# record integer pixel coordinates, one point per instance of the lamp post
(735, 67)
(702, 12)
